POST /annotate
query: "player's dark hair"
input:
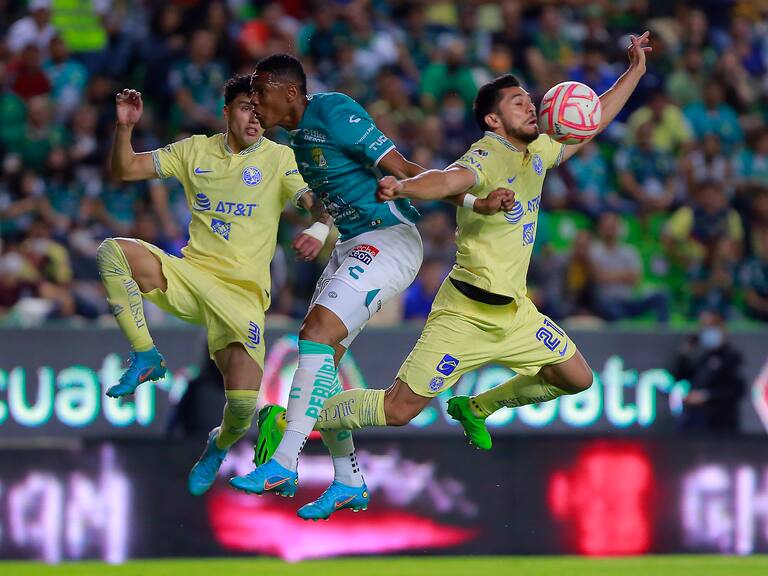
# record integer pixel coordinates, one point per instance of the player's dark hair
(238, 84)
(284, 66)
(489, 95)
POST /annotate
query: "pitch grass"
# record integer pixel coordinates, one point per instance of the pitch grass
(417, 566)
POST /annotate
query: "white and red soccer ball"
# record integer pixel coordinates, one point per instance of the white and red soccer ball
(570, 113)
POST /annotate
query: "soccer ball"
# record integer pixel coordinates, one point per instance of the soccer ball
(570, 113)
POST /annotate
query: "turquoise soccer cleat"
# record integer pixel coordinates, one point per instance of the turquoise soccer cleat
(269, 477)
(337, 497)
(142, 366)
(203, 474)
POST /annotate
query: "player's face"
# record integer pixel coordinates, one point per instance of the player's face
(517, 114)
(241, 121)
(270, 99)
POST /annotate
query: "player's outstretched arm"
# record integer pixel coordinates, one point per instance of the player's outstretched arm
(398, 166)
(614, 99)
(127, 164)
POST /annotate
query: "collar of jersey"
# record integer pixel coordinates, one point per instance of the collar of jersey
(248, 150)
(504, 141)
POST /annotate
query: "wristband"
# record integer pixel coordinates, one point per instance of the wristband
(469, 201)
(318, 231)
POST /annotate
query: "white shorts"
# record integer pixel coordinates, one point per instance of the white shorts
(366, 271)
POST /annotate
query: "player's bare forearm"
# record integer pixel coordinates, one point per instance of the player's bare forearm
(395, 164)
(437, 184)
(126, 163)
(316, 208)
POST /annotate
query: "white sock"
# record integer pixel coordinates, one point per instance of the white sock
(313, 383)
(345, 467)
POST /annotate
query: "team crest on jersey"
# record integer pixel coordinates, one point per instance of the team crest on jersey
(480, 152)
(436, 383)
(529, 233)
(318, 158)
(364, 252)
(251, 176)
(221, 228)
(515, 215)
(201, 203)
(538, 165)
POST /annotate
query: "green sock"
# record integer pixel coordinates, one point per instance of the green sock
(352, 409)
(518, 391)
(238, 413)
(123, 294)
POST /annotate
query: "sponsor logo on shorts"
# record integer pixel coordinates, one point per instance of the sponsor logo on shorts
(447, 365)
(254, 335)
(529, 233)
(251, 176)
(436, 383)
(201, 203)
(516, 214)
(538, 165)
(364, 252)
(221, 228)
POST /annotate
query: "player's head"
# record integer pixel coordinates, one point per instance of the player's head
(277, 84)
(242, 125)
(503, 106)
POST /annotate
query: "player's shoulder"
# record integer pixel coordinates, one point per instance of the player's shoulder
(543, 143)
(202, 141)
(331, 104)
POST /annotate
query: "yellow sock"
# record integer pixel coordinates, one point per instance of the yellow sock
(518, 391)
(238, 413)
(123, 294)
(352, 409)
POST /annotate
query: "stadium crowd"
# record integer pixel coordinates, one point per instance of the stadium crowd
(662, 217)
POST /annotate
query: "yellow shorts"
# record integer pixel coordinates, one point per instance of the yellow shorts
(229, 312)
(462, 335)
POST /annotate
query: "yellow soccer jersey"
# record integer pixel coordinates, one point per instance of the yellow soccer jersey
(235, 201)
(494, 251)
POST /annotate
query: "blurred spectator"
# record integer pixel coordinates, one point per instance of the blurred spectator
(26, 75)
(757, 282)
(713, 368)
(197, 83)
(758, 222)
(41, 134)
(450, 74)
(35, 28)
(714, 116)
(592, 177)
(82, 26)
(617, 270)
(68, 79)
(594, 70)
(438, 234)
(646, 174)
(708, 163)
(751, 163)
(163, 47)
(419, 296)
(686, 84)
(670, 129)
(713, 279)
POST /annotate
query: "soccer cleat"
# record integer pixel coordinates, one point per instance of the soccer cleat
(474, 426)
(271, 429)
(203, 473)
(337, 497)
(142, 366)
(269, 477)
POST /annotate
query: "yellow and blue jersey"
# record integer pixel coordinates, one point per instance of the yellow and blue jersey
(338, 148)
(494, 252)
(235, 201)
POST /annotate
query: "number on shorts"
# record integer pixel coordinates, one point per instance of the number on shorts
(546, 336)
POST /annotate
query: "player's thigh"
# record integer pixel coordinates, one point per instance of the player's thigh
(238, 368)
(535, 341)
(233, 315)
(146, 268)
(185, 286)
(374, 267)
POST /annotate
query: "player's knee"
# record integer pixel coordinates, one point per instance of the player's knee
(323, 330)
(110, 257)
(398, 417)
(583, 380)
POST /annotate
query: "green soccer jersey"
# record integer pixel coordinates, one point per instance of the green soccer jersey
(337, 149)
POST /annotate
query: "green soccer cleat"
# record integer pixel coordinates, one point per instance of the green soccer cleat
(474, 426)
(271, 429)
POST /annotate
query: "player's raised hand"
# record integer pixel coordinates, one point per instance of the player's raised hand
(388, 189)
(638, 46)
(307, 247)
(499, 200)
(129, 107)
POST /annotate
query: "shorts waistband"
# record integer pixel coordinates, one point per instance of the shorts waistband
(479, 295)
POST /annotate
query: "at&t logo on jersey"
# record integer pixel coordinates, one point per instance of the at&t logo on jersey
(538, 165)
(254, 335)
(201, 203)
(515, 215)
(364, 252)
(221, 228)
(251, 176)
(529, 233)
(447, 365)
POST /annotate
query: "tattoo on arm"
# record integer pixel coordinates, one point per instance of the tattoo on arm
(316, 208)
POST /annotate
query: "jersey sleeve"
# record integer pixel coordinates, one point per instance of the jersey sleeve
(552, 152)
(293, 185)
(478, 161)
(171, 160)
(354, 132)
